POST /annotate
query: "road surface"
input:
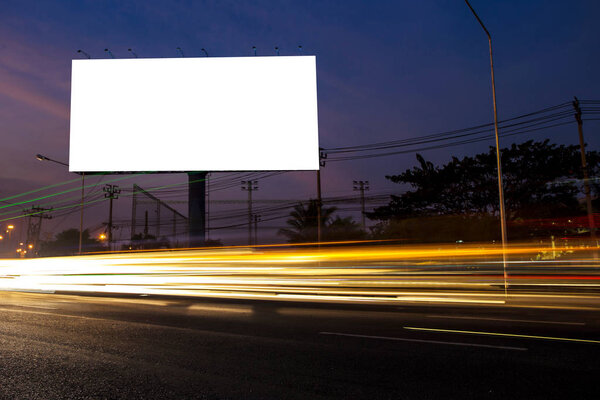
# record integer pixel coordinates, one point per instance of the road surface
(60, 346)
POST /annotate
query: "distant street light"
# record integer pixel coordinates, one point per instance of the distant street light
(86, 55)
(109, 53)
(500, 187)
(132, 52)
(44, 158)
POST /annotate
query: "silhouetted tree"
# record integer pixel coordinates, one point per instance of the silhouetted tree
(303, 222)
(67, 243)
(541, 180)
(343, 229)
(303, 225)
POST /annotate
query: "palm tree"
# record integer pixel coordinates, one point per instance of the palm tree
(343, 229)
(303, 222)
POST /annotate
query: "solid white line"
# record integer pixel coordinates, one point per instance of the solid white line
(507, 320)
(424, 341)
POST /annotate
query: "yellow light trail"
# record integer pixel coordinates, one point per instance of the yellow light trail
(352, 272)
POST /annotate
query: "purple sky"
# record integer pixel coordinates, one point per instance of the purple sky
(387, 70)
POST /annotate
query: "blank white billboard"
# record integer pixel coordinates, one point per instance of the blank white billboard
(194, 114)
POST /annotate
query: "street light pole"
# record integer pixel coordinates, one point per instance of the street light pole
(500, 186)
(44, 158)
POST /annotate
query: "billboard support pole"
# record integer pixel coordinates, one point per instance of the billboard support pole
(81, 211)
(197, 208)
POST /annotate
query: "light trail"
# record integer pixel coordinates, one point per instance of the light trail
(366, 272)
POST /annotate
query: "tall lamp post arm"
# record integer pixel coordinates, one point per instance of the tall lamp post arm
(478, 20)
(498, 160)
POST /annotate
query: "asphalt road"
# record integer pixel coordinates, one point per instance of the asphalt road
(55, 346)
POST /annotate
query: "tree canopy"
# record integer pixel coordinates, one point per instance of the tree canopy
(541, 180)
(67, 243)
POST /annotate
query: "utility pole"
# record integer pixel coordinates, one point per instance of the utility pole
(111, 192)
(586, 182)
(322, 157)
(36, 215)
(250, 186)
(361, 186)
(256, 218)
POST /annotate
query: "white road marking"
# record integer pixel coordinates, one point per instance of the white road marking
(515, 335)
(424, 341)
(55, 314)
(507, 320)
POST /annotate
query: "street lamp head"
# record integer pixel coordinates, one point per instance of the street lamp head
(11, 227)
(44, 158)
(86, 55)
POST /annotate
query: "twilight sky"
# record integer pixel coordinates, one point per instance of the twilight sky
(386, 70)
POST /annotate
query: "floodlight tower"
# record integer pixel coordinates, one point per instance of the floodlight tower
(111, 193)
